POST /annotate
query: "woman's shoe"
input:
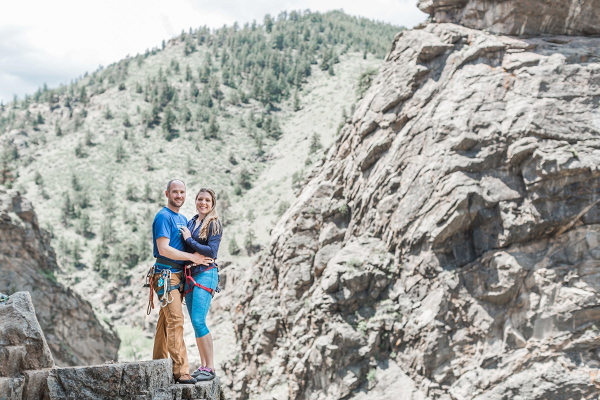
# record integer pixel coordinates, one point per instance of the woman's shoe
(184, 380)
(204, 374)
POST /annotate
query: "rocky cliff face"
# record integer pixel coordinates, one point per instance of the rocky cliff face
(519, 17)
(448, 246)
(28, 263)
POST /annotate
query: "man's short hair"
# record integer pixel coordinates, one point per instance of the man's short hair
(173, 180)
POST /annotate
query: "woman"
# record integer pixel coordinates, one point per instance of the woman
(203, 235)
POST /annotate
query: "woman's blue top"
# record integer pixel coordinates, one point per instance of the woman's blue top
(207, 247)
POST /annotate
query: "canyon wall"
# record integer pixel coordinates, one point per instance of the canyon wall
(448, 246)
(28, 263)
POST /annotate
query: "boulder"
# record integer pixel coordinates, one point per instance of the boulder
(22, 342)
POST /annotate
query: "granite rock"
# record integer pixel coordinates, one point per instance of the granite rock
(22, 342)
(466, 185)
(519, 17)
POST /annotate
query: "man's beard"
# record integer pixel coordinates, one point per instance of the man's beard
(172, 203)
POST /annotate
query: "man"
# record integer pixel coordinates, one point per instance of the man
(171, 259)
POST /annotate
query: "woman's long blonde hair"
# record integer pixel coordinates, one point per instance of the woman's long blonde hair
(211, 222)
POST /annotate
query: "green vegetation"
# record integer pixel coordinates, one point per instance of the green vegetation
(364, 81)
(371, 374)
(134, 344)
(207, 106)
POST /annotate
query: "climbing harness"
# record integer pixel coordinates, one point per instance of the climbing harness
(163, 285)
(191, 283)
(164, 282)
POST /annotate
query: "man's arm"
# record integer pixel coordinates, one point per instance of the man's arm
(169, 252)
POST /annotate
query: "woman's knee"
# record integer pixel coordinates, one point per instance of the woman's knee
(200, 328)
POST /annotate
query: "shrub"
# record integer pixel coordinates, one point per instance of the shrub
(38, 178)
(244, 179)
(297, 179)
(89, 138)
(108, 113)
(130, 193)
(80, 151)
(283, 206)
(364, 81)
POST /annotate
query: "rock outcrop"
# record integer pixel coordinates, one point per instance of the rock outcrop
(448, 247)
(28, 263)
(22, 342)
(27, 369)
(519, 17)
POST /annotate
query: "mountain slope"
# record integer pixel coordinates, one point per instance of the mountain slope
(246, 110)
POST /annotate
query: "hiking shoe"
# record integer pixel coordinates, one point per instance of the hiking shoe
(190, 381)
(204, 374)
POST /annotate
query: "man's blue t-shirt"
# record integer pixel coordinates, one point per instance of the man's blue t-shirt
(167, 224)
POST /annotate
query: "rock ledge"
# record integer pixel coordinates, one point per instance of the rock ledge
(27, 369)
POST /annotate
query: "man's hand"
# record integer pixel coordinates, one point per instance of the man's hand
(185, 232)
(199, 259)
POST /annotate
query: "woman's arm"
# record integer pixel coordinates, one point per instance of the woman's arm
(209, 250)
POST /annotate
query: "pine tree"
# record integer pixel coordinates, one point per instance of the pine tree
(120, 152)
(168, 122)
(296, 101)
(66, 210)
(213, 128)
(315, 143)
(268, 23)
(233, 247)
(249, 241)
(86, 225)
(6, 169)
(148, 192)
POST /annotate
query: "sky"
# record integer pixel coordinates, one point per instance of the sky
(54, 42)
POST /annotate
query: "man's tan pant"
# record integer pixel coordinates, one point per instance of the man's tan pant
(168, 340)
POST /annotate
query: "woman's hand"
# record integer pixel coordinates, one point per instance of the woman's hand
(185, 232)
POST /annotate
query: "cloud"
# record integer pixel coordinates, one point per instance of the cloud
(167, 25)
(55, 42)
(24, 68)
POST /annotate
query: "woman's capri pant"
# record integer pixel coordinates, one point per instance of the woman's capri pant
(198, 300)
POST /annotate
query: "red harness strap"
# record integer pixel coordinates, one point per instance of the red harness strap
(191, 283)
